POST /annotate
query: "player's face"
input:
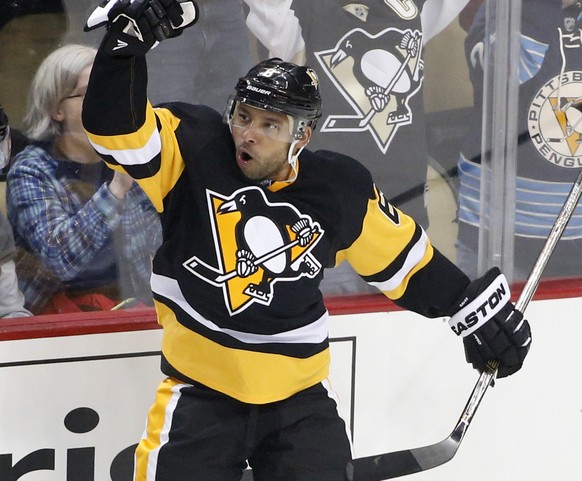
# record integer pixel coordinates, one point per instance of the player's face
(262, 141)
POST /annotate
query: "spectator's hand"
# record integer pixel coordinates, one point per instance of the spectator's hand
(120, 185)
(492, 329)
(136, 26)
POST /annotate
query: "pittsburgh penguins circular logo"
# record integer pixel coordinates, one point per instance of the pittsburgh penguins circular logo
(555, 120)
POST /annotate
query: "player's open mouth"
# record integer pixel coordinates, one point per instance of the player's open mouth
(244, 156)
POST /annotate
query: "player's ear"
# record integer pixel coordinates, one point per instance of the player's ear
(305, 138)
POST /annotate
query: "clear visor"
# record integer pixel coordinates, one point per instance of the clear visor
(273, 125)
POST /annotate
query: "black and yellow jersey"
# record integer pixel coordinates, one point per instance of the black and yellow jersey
(235, 281)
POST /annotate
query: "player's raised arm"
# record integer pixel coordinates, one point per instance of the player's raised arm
(121, 124)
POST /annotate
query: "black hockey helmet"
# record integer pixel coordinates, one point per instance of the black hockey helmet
(282, 87)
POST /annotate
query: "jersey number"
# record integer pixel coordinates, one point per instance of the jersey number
(406, 9)
(389, 210)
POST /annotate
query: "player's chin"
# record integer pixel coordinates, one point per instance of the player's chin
(249, 169)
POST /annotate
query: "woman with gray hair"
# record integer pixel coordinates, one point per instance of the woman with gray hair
(89, 232)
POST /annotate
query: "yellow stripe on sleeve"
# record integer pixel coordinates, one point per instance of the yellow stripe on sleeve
(130, 141)
(383, 240)
(139, 148)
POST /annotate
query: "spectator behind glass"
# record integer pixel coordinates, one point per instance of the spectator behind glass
(549, 152)
(88, 234)
(11, 299)
(210, 55)
(369, 56)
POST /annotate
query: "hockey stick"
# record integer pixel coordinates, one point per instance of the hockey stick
(409, 461)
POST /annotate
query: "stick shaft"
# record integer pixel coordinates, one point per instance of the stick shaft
(560, 224)
(533, 280)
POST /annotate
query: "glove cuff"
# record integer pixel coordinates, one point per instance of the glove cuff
(481, 309)
(120, 44)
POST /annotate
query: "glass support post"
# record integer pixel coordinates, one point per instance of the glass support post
(499, 144)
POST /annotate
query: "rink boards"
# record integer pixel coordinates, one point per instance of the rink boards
(72, 406)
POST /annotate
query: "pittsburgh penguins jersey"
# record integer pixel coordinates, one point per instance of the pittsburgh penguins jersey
(549, 151)
(235, 281)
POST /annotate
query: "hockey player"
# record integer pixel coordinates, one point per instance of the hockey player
(250, 219)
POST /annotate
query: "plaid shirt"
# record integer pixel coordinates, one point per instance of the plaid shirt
(63, 212)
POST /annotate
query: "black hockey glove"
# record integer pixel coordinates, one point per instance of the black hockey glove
(491, 327)
(136, 26)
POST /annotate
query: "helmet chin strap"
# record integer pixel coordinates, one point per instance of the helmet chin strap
(292, 159)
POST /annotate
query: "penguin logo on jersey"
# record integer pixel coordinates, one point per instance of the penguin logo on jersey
(555, 120)
(258, 243)
(554, 117)
(378, 83)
